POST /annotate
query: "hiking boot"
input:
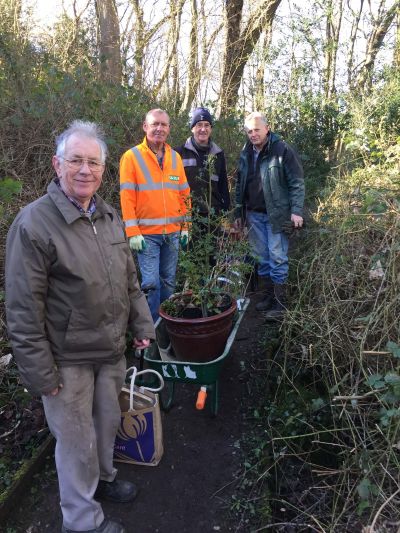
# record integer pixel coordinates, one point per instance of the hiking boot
(107, 526)
(269, 297)
(279, 307)
(116, 491)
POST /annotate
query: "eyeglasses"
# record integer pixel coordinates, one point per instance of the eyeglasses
(77, 162)
(202, 125)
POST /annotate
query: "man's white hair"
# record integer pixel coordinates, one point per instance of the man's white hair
(85, 129)
(154, 111)
(254, 115)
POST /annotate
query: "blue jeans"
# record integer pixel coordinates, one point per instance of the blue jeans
(158, 268)
(269, 249)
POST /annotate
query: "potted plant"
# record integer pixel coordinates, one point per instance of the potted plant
(212, 275)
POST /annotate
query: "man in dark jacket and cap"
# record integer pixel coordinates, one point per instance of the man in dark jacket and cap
(71, 293)
(205, 166)
(269, 198)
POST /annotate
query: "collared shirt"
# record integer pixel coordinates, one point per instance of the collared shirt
(254, 195)
(92, 204)
(160, 158)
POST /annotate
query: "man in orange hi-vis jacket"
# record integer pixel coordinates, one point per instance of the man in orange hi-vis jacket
(155, 202)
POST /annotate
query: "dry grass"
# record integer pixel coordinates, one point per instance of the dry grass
(343, 333)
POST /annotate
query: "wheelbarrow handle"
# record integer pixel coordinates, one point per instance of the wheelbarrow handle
(201, 398)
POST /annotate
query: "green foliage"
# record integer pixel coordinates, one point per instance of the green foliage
(8, 189)
(366, 490)
(212, 265)
(311, 126)
(394, 348)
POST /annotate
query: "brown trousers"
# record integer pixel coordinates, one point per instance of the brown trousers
(84, 418)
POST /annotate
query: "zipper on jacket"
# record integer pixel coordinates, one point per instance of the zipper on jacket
(113, 299)
(165, 207)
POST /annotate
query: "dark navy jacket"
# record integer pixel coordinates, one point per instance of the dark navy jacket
(199, 177)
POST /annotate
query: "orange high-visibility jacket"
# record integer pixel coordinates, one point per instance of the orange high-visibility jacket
(153, 200)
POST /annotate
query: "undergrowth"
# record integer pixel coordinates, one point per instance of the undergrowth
(326, 447)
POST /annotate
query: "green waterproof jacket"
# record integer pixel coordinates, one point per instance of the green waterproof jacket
(282, 182)
(71, 289)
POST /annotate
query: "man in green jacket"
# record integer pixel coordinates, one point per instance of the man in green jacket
(71, 293)
(269, 198)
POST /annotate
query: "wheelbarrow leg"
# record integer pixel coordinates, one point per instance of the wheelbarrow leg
(167, 395)
(214, 398)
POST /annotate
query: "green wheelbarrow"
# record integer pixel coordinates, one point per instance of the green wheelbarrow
(204, 374)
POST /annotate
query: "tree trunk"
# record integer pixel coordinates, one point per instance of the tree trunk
(171, 63)
(258, 100)
(140, 44)
(196, 67)
(396, 54)
(140, 35)
(333, 24)
(192, 76)
(239, 44)
(380, 28)
(353, 36)
(109, 41)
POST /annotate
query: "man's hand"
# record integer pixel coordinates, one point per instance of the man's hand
(55, 391)
(184, 238)
(238, 224)
(289, 226)
(297, 221)
(137, 243)
(141, 344)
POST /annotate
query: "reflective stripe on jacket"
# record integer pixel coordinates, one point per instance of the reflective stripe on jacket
(153, 200)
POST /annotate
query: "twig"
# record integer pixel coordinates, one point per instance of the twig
(371, 528)
(360, 396)
(292, 524)
(11, 430)
(374, 352)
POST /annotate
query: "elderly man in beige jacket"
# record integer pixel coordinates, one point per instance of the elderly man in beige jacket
(71, 293)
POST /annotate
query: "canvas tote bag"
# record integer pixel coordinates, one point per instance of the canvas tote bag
(139, 438)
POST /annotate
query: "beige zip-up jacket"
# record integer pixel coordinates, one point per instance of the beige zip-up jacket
(71, 289)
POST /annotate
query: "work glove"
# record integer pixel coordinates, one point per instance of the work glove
(137, 243)
(184, 238)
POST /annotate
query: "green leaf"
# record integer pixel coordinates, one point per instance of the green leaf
(373, 379)
(374, 489)
(364, 504)
(363, 488)
(317, 403)
(392, 379)
(393, 348)
(363, 319)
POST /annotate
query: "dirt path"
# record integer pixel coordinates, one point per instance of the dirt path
(191, 489)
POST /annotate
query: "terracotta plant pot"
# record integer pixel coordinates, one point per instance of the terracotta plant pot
(199, 340)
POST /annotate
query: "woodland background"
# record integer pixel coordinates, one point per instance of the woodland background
(326, 440)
